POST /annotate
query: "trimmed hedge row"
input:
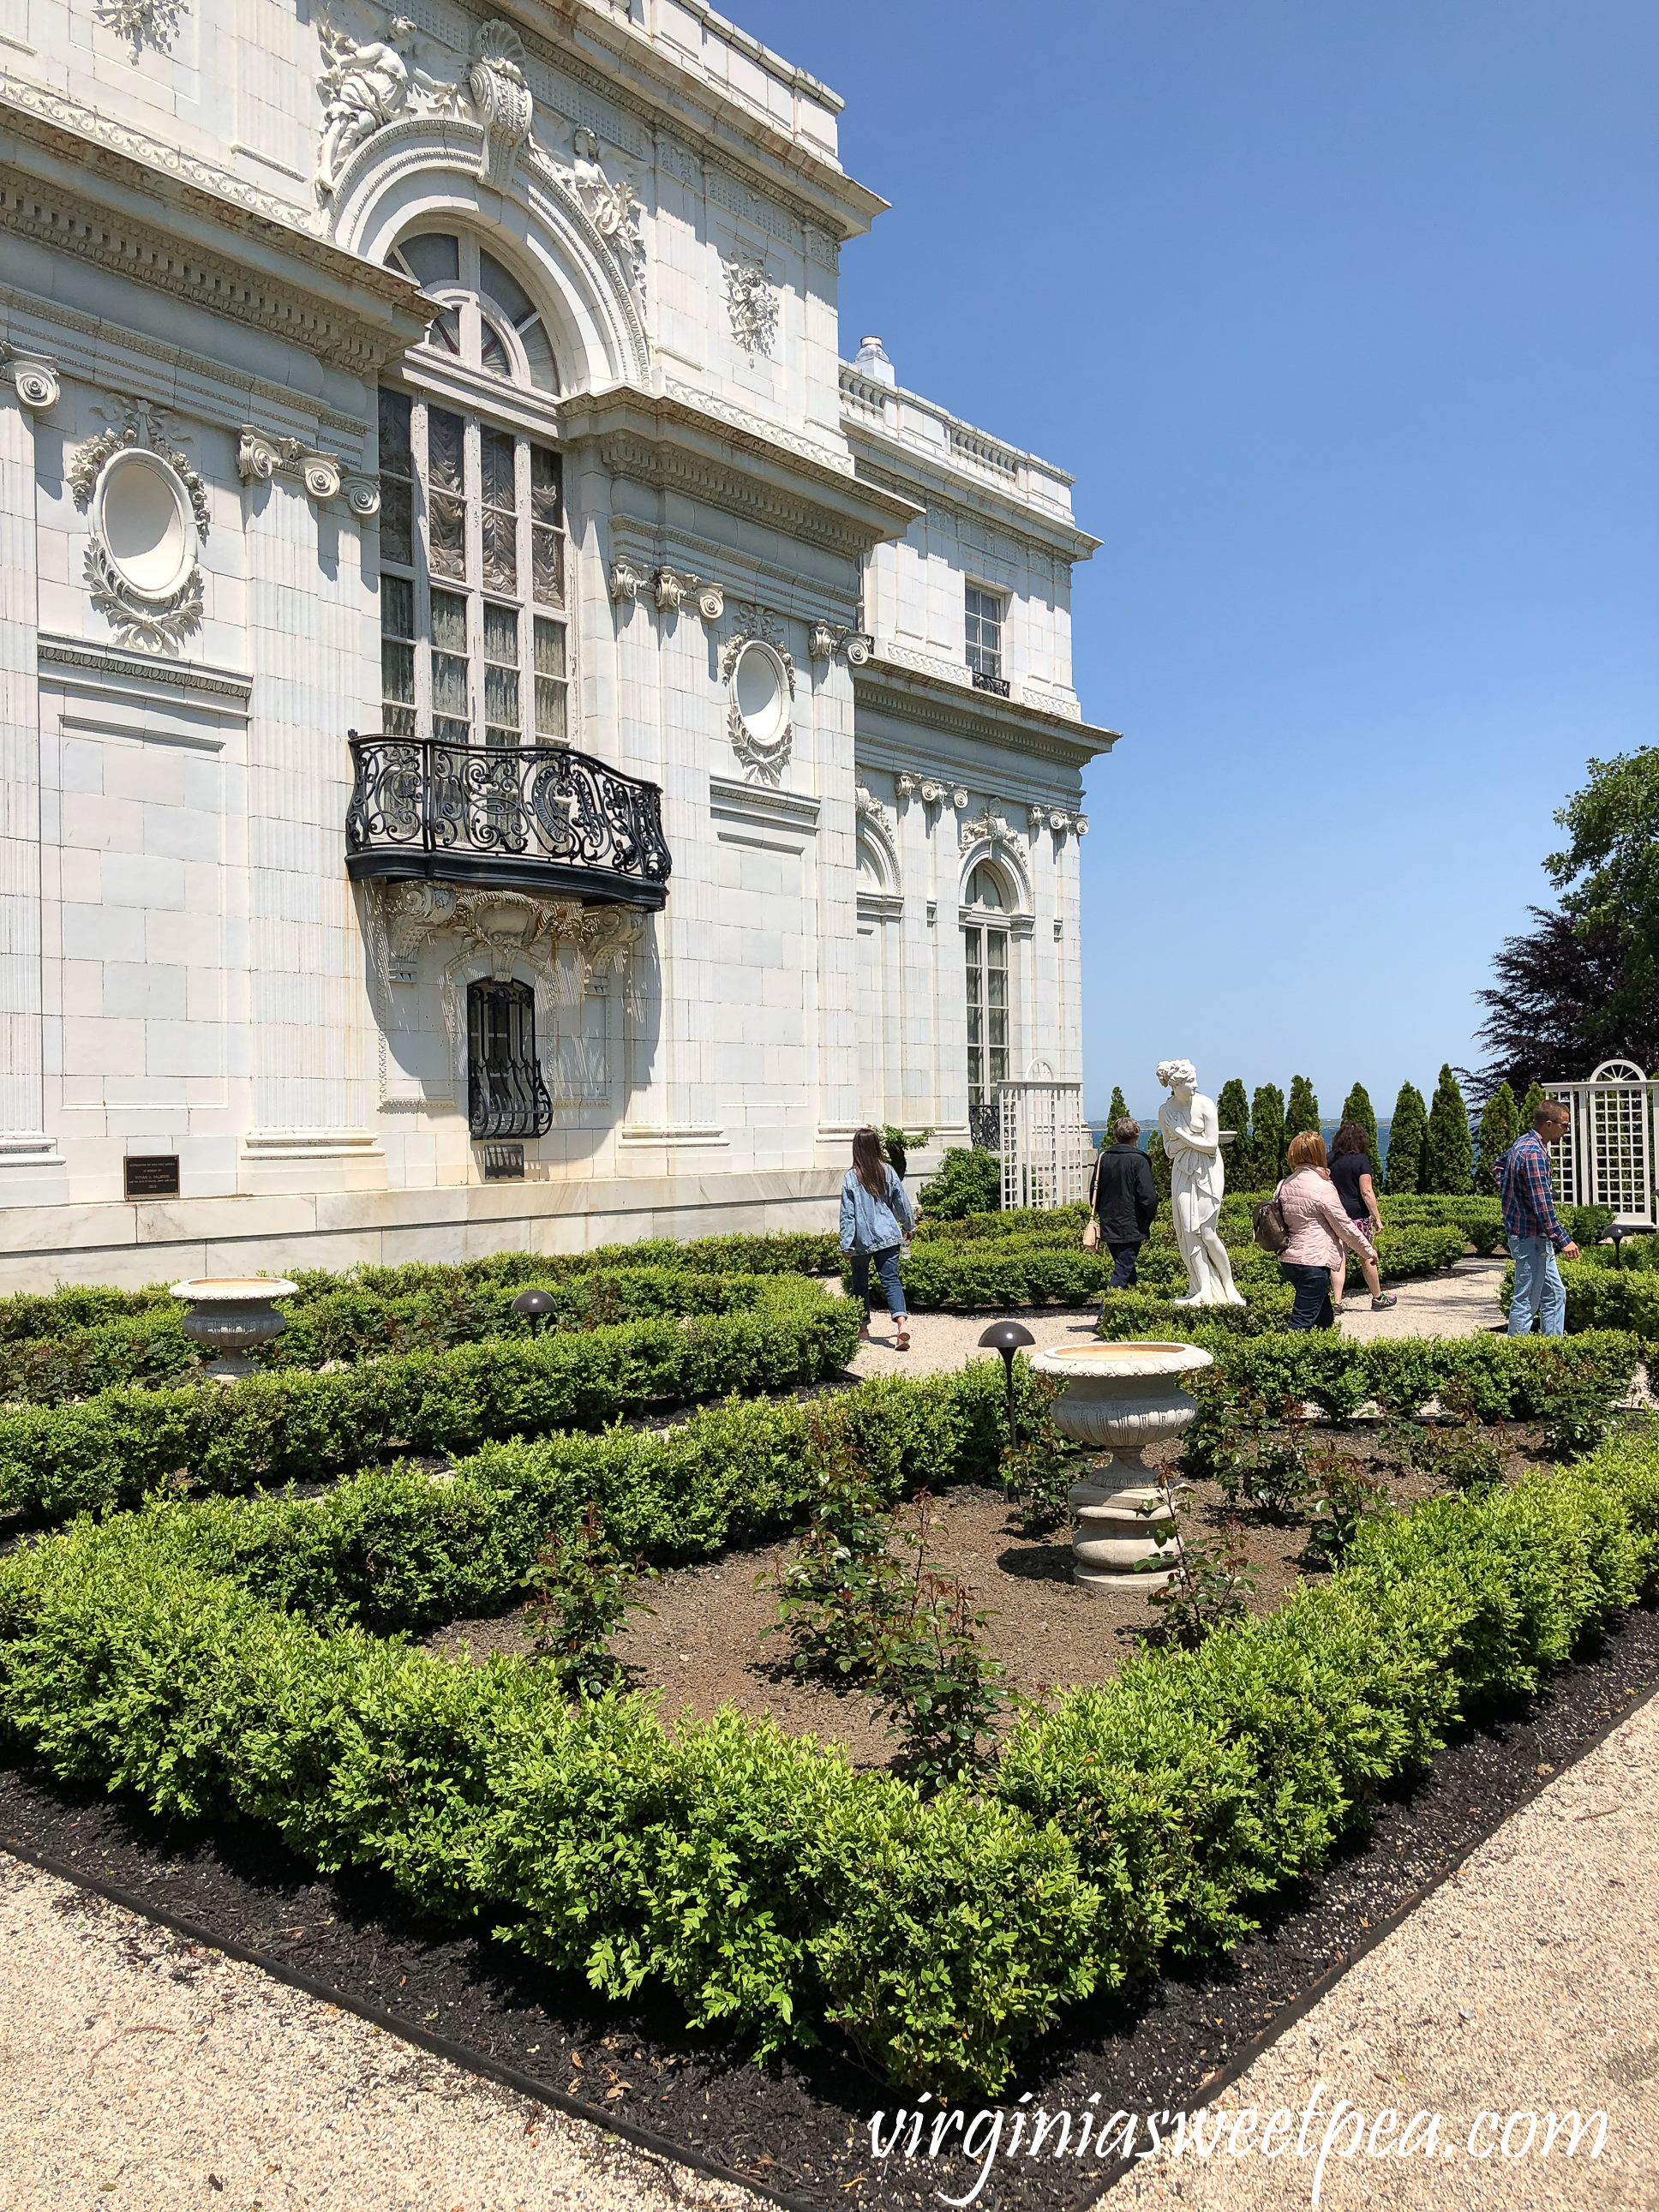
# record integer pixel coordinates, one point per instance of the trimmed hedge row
(1026, 1270)
(773, 1891)
(60, 1460)
(786, 1252)
(354, 1322)
(1601, 1298)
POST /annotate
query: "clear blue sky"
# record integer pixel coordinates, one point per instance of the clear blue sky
(1344, 316)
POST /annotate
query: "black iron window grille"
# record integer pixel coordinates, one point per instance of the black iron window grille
(541, 816)
(998, 686)
(506, 1095)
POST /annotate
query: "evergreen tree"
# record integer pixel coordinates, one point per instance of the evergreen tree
(1303, 1113)
(1451, 1153)
(1116, 1112)
(1530, 1105)
(1408, 1142)
(1233, 1111)
(1357, 1107)
(1500, 1125)
(1267, 1135)
(1160, 1165)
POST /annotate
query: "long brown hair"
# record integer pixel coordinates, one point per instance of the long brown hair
(868, 1166)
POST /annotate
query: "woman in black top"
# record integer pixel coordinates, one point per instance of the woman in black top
(1350, 1171)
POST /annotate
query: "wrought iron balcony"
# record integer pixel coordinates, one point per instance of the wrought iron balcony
(984, 681)
(540, 819)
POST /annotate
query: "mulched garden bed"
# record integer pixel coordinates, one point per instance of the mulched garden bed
(704, 1642)
(801, 2130)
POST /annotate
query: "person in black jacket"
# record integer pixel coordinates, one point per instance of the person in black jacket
(1124, 1200)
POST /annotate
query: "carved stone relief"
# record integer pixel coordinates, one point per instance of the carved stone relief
(259, 458)
(626, 582)
(675, 586)
(501, 98)
(751, 301)
(33, 375)
(133, 479)
(760, 676)
(854, 645)
(141, 22)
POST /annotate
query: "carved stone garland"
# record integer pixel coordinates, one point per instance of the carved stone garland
(149, 625)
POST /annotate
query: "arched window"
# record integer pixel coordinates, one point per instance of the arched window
(473, 540)
(984, 947)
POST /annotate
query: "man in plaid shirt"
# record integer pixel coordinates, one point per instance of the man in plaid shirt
(1533, 1226)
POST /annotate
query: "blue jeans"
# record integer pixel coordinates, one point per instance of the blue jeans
(1538, 1286)
(1313, 1308)
(885, 1263)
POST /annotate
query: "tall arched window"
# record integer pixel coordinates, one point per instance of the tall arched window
(985, 945)
(473, 541)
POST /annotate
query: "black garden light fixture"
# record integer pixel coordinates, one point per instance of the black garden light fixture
(535, 1306)
(1008, 1337)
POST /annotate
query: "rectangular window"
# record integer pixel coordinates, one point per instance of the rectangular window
(984, 611)
(473, 647)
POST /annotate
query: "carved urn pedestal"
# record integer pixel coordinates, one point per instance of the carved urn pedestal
(1118, 1399)
(231, 1314)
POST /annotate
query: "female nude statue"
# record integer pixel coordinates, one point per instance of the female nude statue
(1192, 1142)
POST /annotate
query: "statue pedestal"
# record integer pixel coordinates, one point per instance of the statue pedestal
(1120, 1398)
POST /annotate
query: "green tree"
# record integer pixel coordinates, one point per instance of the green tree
(1408, 1143)
(1303, 1112)
(1116, 1112)
(1451, 1153)
(1233, 1108)
(1267, 1135)
(1608, 876)
(1530, 1105)
(1160, 1165)
(1357, 1107)
(1500, 1125)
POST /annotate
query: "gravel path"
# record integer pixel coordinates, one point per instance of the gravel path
(139, 2073)
(1528, 1984)
(1461, 1304)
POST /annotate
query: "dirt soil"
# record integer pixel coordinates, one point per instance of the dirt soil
(705, 1643)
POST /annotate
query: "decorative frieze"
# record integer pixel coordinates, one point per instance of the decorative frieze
(33, 376)
(260, 457)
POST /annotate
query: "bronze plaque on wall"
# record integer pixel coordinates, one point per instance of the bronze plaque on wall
(152, 1175)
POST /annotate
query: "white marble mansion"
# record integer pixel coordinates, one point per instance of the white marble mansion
(509, 737)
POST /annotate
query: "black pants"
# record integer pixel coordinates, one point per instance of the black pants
(1123, 1264)
(1312, 1286)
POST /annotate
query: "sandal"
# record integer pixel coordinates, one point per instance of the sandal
(1384, 1299)
(902, 1342)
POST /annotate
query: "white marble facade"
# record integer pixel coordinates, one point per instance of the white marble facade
(757, 584)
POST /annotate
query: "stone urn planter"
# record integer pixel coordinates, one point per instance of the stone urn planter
(231, 1314)
(1117, 1399)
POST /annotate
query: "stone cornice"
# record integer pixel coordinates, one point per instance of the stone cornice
(80, 183)
(978, 715)
(897, 467)
(765, 476)
(727, 130)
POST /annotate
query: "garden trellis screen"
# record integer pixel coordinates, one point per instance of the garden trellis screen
(1046, 1148)
(1606, 1158)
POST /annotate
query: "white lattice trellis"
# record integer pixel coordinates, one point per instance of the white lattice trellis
(1605, 1158)
(1046, 1147)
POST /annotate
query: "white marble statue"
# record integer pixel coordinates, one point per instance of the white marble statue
(1191, 1129)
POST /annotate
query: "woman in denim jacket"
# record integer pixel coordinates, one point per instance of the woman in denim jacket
(876, 1217)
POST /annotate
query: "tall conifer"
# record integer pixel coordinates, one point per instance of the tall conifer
(1302, 1114)
(1500, 1125)
(1357, 1107)
(1267, 1135)
(1233, 1108)
(1116, 1112)
(1530, 1105)
(1451, 1151)
(1408, 1142)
